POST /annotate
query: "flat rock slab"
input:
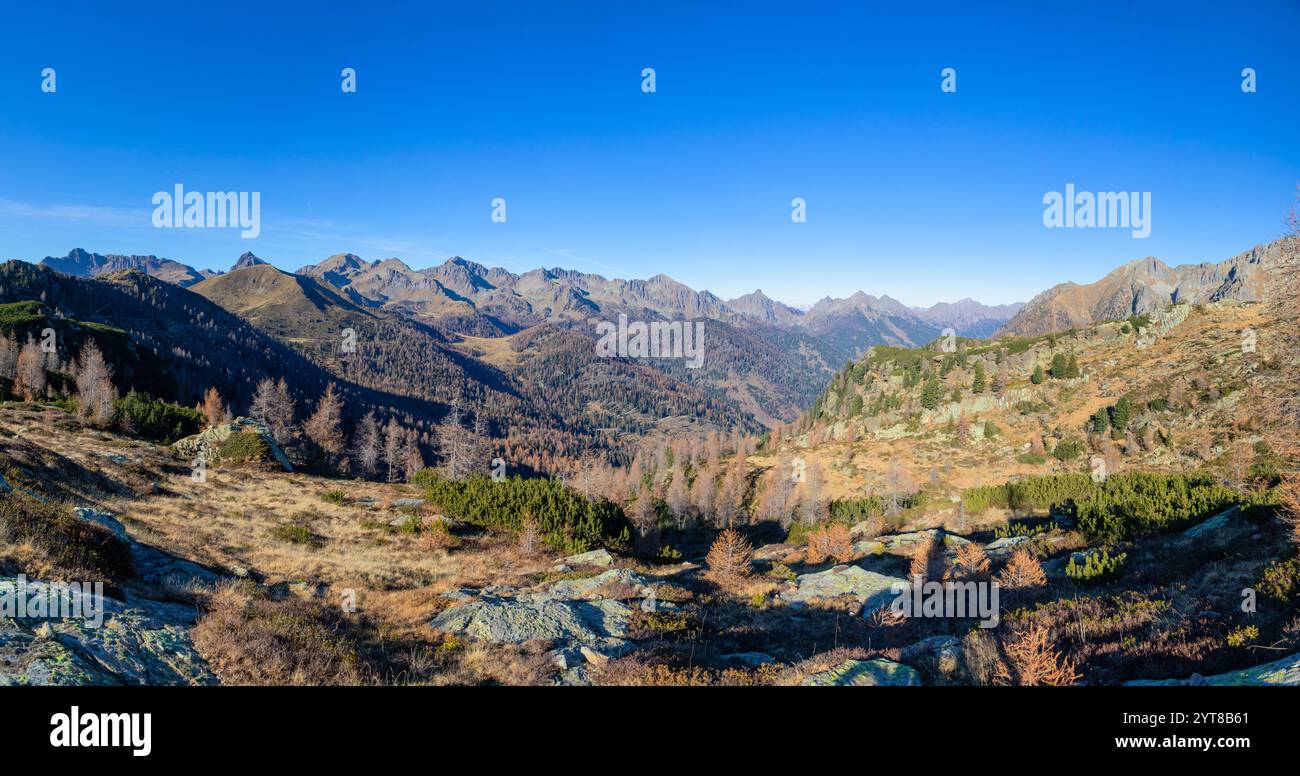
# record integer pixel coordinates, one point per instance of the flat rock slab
(1217, 527)
(593, 558)
(1002, 548)
(868, 587)
(1279, 673)
(600, 624)
(877, 672)
(776, 552)
(599, 586)
(904, 544)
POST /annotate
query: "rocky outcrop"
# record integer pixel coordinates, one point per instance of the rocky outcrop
(585, 619)
(206, 446)
(865, 673)
(903, 544)
(593, 558)
(1281, 673)
(872, 590)
(137, 643)
(999, 549)
(151, 564)
(1214, 528)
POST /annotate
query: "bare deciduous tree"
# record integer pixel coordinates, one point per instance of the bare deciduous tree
(394, 449)
(30, 378)
(325, 426)
(8, 357)
(366, 444)
(462, 451)
(273, 405)
(214, 409)
(1032, 660)
(95, 390)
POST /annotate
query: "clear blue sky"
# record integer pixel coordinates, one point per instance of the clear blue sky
(922, 195)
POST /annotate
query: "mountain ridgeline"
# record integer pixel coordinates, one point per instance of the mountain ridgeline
(764, 361)
(516, 353)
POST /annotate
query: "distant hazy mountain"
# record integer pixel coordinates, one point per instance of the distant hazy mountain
(759, 307)
(968, 317)
(81, 263)
(1148, 284)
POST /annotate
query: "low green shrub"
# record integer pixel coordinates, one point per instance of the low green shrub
(295, 533)
(1097, 566)
(1281, 579)
(244, 447)
(143, 415)
(1126, 505)
(566, 520)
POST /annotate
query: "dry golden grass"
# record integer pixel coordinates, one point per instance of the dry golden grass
(245, 522)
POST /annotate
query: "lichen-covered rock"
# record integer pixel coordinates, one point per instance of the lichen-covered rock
(587, 618)
(1215, 528)
(137, 643)
(1279, 673)
(621, 580)
(751, 659)
(877, 672)
(593, 558)
(904, 544)
(600, 624)
(868, 587)
(206, 445)
(103, 518)
(1002, 548)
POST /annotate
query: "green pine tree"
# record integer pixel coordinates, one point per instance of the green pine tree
(1037, 377)
(1121, 414)
(978, 385)
(931, 393)
(1059, 366)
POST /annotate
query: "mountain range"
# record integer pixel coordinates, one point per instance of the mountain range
(468, 297)
(523, 344)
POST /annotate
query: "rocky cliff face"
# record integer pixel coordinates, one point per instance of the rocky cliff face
(1144, 285)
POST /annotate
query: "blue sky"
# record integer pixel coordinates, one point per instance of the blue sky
(922, 195)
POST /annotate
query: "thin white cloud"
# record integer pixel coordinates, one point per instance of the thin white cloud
(84, 214)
